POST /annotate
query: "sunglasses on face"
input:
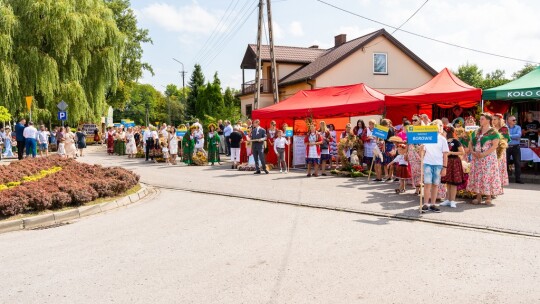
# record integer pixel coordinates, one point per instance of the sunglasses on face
(415, 120)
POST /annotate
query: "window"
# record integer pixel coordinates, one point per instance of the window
(380, 63)
(249, 108)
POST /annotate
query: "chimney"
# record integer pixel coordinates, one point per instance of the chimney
(340, 39)
(314, 46)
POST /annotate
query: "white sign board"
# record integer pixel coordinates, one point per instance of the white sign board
(471, 128)
(299, 150)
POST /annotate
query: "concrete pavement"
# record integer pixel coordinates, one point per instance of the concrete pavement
(518, 210)
(184, 247)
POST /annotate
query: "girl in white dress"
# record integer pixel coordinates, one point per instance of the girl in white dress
(173, 145)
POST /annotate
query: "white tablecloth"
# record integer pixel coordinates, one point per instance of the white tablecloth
(527, 155)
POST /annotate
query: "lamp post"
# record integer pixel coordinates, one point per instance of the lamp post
(183, 76)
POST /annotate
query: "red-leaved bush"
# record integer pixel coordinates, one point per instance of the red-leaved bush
(76, 184)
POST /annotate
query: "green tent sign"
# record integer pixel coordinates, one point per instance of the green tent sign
(525, 87)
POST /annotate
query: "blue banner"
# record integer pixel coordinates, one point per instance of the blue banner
(422, 134)
(380, 132)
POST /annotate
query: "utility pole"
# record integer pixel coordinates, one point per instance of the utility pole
(258, 54)
(183, 77)
(272, 55)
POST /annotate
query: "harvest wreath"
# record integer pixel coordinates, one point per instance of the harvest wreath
(53, 182)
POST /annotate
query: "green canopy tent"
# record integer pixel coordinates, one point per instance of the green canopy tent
(525, 87)
(522, 93)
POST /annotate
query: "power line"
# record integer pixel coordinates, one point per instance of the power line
(421, 6)
(426, 37)
(207, 53)
(225, 39)
(232, 34)
(395, 30)
(216, 28)
(220, 25)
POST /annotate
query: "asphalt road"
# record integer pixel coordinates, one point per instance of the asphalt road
(180, 247)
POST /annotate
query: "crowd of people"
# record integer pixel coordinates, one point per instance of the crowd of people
(475, 161)
(31, 141)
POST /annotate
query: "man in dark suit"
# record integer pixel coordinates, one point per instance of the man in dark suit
(258, 137)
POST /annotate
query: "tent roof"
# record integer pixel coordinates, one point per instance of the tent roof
(445, 88)
(525, 87)
(349, 100)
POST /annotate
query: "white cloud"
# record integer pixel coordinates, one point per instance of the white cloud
(186, 19)
(278, 31)
(295, 28)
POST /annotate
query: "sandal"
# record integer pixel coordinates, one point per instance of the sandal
(476, 201)
(398, 191)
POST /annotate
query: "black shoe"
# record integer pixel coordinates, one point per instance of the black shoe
(396, 179)
(434, 208)
(520, 182)
(266, 171)
(232, 167)
(257, 172)
(425, 208)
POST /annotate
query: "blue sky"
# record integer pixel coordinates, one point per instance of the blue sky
(182, 29)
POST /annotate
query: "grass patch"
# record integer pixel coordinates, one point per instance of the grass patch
(100, 200)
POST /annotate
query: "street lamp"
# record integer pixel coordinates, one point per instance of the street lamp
(183, 74)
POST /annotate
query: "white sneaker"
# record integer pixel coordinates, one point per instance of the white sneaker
(280, 170)
(446, 203)
(453, 204)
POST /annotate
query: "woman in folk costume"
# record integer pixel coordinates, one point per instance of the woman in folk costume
(454, 171)
(245, 148)
(271, 134)
(173, 145)
(325, 147)
(333, 144)
(500, 126)
(131, 147)
(188, 146)
(287, 147)
(199, 139)
(313, 141)
(213, 145)
(71, 149)
(110, 141)
(485, 176)
(121, 142)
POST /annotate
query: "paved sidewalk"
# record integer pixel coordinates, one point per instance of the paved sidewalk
(517, 210)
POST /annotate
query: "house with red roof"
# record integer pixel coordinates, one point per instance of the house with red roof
(376, 59)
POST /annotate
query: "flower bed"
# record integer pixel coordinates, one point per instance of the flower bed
(53, 182)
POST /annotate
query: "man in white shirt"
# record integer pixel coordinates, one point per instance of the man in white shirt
(30, 138)
(435, 159)
(148, 141)
(43, 140)
(227, 133)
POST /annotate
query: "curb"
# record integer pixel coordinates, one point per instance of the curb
(365, 212)
(72, 214)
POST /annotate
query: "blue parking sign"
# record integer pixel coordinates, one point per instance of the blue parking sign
(62, 115)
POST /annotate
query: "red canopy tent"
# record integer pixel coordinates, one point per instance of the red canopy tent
(445, 90)
(324, 103)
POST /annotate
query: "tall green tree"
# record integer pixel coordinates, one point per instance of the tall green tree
(63, 50)
(144, 99)
(131, 67)
(471, 74)
(196, 83)
(9, 71)
(494, 79)
(525, 70)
